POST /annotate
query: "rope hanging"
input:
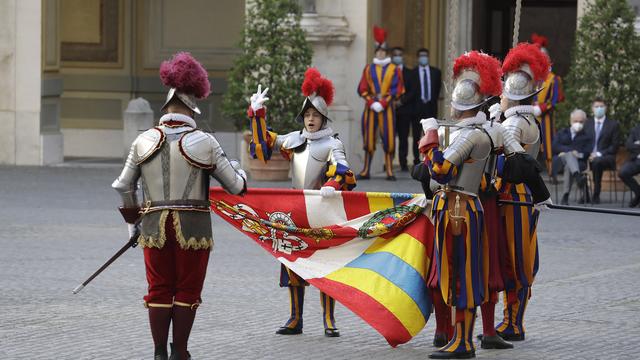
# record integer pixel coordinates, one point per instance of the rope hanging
(516, 23)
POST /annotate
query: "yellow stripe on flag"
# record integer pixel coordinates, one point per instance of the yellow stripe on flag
(384, 292)
(407, 248)
(377, 202)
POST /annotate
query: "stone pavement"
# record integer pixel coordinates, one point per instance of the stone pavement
(57, 225)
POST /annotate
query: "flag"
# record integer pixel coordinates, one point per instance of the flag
(369, 251)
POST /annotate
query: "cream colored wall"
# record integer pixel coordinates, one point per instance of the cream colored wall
(20, 36)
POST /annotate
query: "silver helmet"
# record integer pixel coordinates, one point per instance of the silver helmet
(466, 93)
(519, 84)
(188, 100)
(316, 102)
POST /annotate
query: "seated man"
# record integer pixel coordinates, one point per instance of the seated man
(631, 167)
(605, 133)
(571, 149)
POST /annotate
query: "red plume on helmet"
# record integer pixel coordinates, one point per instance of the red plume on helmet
(486, 66)
(379, 34)
(315, 83)
(186, 75)
(530, 54)
(539, 40)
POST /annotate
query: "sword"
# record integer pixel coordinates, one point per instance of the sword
(133, 242)
(573, 208)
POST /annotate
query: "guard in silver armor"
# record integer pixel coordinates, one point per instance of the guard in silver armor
(318, 162)
(174, 162)
(456, 209)
(525, 68)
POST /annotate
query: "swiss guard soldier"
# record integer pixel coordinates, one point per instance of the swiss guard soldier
(318, 162)
(525, 68)
(458, 268)
(380, 86)
(545, 104)
(174, 161)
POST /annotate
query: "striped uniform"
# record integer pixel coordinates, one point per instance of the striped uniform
(384, 84)
(547, 100)
(522, 261)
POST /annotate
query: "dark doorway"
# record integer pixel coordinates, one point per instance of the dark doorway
(556, 19)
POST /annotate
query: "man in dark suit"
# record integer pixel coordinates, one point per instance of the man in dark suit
(406, 110)
(605, 133)
(428, 80)
(631, 167)
(571, 149)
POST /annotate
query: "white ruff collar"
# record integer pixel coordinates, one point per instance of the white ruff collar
(479, 119)
(383, 62)
(317, 134)
(178, 117)
(522, 109)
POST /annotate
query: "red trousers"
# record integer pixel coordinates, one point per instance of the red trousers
(174, 274)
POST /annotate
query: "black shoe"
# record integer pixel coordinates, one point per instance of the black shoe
(440, 340)
(289, 331)
(511, 337)
(495, 342)
(452, 355)
(565, 199)
(391, 178)
(635, 201)
(363, 177)
(160, 353)
(175, 356)
(596, 199)
(331, 333)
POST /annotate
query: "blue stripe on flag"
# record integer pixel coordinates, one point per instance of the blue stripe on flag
(401, 274)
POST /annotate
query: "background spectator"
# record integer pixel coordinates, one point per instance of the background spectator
(632, 166)
(406, 119)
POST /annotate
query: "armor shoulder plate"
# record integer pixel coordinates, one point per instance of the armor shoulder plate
(292, 140)
(471, 143)
(146, 144)
(196, 148)
(522, 128)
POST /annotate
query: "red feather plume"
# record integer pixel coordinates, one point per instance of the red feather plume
(486, 65)
(539, 40)
(186, 74)
(379, 34)
(315, 83)
(526, 53)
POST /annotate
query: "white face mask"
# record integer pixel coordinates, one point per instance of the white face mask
(577, 126)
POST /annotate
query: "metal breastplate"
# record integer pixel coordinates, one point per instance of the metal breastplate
(168, 176)
(470, 152)
(524, 129)
(309, 165)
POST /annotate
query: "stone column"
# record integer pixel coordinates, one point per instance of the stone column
(340, 56)
(20, 71)
(138, 117)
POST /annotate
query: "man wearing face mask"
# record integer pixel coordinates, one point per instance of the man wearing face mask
(606, 138)
(429, 82)
(406, 119)
(571, 149)
(380, 85)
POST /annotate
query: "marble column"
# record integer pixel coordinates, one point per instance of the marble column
(20, 71)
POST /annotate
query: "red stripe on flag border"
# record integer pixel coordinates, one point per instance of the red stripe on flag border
(370, 310)
(356, 204)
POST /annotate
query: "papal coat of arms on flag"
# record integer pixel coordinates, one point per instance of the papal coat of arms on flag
(369, 251)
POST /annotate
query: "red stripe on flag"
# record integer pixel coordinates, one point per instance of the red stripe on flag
(363, 305)
(356, 204)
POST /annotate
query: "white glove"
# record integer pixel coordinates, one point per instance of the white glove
(429, 124)
(537, 111)
(495, 111)
(132, 229)
(258, 99)
(327, 191)
(376, 106)
(236, 166)
(542, 206)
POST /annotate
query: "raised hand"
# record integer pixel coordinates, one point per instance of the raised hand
(259, 98)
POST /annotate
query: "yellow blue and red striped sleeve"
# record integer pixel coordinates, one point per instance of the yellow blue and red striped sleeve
(340, 177)
(262, 140)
